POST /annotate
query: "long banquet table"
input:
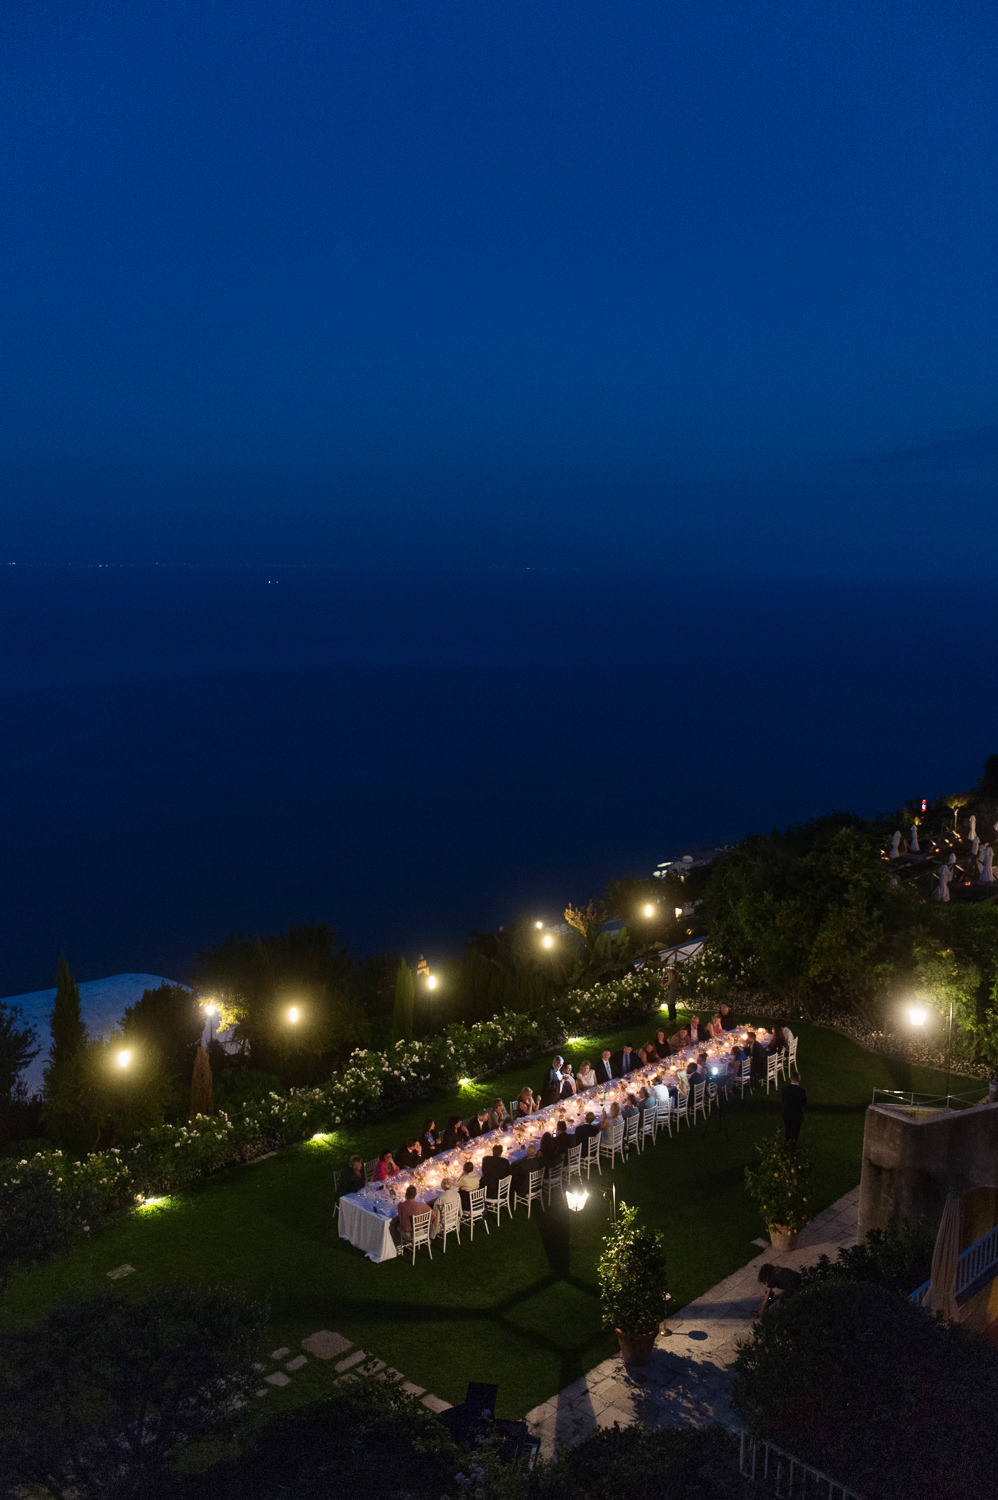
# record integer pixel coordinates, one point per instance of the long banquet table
(365, 1217)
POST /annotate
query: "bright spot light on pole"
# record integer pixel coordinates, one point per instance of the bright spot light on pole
(124, 1058)
(293, 1013)
(679, 912)
(538, 925)
(431, 981)
(917, 1015)
(210, 1008)
(548, 940)
(649, 910)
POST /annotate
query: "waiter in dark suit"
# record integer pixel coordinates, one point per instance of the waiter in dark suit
(794, 1101)
(604, 1068)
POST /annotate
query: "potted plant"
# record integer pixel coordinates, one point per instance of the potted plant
(633, 1285)
(780, 1183)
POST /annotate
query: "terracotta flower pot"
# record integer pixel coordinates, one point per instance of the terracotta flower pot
(636, 1348)
(782, 1238)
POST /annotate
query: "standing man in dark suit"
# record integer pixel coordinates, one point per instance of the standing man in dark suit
(551, 1092)
(794, 1102)
(759, 1057)
(494, 1169)
(604, 1068)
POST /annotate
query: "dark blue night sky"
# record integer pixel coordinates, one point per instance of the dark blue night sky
(526, 437)
(481, 281)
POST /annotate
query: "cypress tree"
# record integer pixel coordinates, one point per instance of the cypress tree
(69, 1034)
(403, 1016)
(202, 1095)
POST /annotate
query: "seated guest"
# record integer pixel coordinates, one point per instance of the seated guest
(640, 1059)
(612, 1117)
(455, 1134)
(551, 1091)
(401, 1227)
(468, 1182)
(352, 1176)
(629, 1107)
(410, 1155)
(625, 1061)
(568, 1083)
(386, 1167)
(662, 1045)
(660, 1090)
(735, 1063)
(702, 1061)
(585, 1077)
(479, 1124)
(758, 1056)
(679, 1040)
(698, 1030)
(562, 1138)
(449, 1193)
(645, 1097)
(587, 1129)
(715, 1028)
(788, 1035)
(498, 1115)
(651, 1052)
(494, 1169)
(525, 1168)
(694, 1076)
(604, 1068)
(549, 1151)
(779, 1041)
(727, 1019)
(526, 1103)
(428, 1142)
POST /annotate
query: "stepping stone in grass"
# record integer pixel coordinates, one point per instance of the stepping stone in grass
(351, 1360)
(278, 1378)
(297, 1362)
(280, 1354)
(264, 1391)
(120, 1271)
(435, 1403)
(326, 1345)
(413, 1390)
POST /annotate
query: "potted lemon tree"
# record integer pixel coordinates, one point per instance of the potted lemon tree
(633, 1285)
(780, 1183)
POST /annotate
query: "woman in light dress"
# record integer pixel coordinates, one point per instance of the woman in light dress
(586, 1078)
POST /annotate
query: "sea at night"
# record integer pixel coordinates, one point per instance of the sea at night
(410, 755)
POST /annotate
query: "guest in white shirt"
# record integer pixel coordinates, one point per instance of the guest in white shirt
(661, 1092)
(585, 1077)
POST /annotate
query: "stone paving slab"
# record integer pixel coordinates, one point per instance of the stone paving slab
(689, 1376)
(435, 1404)
(280, 1354)
(278, 1378)
(351, 1360)
(298, 1363)
(326, 1345)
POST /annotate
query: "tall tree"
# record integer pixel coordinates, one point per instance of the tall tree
(17, 1049)
(202, 1097)
(67, 1056)
(403, 1016)
(69, 1034)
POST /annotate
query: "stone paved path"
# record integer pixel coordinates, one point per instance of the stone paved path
(688, 1378)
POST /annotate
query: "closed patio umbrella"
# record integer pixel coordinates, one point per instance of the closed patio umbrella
(942, 1280)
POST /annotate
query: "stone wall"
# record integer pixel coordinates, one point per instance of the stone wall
(913, 1158)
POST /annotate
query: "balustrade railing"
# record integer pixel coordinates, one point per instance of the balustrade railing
(786, 1477)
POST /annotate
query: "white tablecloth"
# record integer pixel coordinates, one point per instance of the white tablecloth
(365, 1216)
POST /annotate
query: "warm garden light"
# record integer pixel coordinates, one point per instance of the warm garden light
(466, 1082)
(679, 912)
(293, 1013)
(548, 940)
(210, 1008)
(577, 1201)
(917, 1015)
(649, 910)
(124, 1057)
(538, 925)
(431, 981)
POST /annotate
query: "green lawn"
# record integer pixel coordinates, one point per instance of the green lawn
(518, 1306)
